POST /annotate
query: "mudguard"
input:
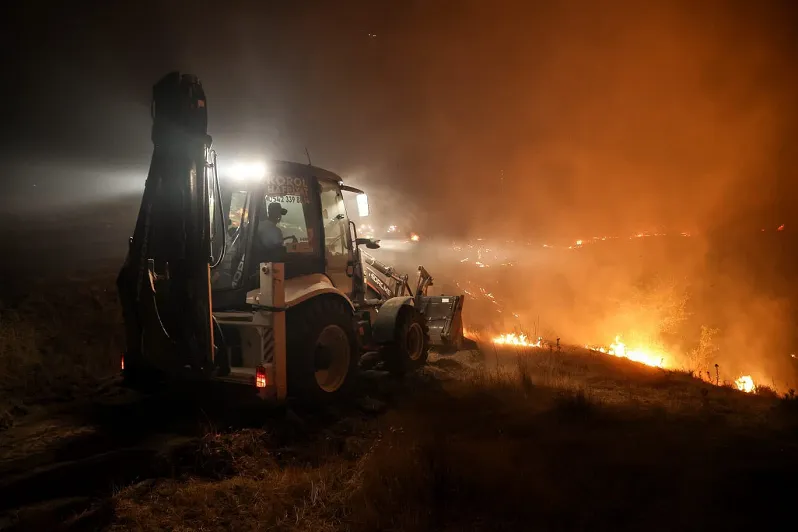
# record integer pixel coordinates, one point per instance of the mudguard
(304, 287)
(384, 327)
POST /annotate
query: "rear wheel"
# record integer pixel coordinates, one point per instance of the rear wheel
(322, 350)
(410, 348)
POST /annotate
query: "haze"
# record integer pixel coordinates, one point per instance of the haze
(533, 121)
(600, 116)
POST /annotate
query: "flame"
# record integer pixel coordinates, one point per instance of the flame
(649, 354)
(516, 339)
(414, 237)
(643, 355)
(745, 384)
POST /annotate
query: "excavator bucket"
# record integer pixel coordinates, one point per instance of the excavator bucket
(444, 313)
(444, 316)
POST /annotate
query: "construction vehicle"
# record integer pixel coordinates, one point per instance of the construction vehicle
(443, 314)
(257, 279)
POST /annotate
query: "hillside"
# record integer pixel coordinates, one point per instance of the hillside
(502, 440)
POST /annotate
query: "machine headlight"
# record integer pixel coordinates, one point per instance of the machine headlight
(362, 205)
(248, 171)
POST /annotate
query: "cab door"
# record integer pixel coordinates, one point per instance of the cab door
(335, 224)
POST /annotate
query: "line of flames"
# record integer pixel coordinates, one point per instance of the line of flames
(655, 358)
(520, 340)
(648, 356)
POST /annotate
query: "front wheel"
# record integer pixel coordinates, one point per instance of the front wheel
(322, 350)
(410, 348)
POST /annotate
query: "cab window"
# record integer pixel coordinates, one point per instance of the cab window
(285, 215)
(334, 222)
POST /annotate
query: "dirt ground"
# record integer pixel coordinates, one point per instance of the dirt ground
(484, 440)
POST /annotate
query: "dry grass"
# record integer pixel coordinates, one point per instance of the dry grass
(57, 342)
(512, 440)
(547, 441)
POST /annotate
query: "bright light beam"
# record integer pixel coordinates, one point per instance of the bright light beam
(247, 171)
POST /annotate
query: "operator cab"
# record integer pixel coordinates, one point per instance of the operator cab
(284, 212)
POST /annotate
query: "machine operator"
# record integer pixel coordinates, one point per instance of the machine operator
(269, 235)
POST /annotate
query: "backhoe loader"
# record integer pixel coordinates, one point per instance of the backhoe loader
(253, 276)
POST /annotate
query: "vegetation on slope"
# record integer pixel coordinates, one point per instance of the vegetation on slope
(514, 439)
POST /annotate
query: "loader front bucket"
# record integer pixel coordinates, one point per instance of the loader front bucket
(444, 316)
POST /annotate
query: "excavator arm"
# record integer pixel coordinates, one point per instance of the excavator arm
(164, 284)
(444, 314)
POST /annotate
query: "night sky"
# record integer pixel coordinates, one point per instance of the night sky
(537, 118)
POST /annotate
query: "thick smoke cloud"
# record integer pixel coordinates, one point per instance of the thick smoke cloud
(531, 121)
(558, 116)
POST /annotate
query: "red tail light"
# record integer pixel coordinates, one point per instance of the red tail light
(122, 361)
(260, 377)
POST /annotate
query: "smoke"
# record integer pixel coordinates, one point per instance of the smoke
(576, 120)
(607, 116)
(525, 121)
(555, 117)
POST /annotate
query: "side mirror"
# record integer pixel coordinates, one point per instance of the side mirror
(370, 243)
(362, 205)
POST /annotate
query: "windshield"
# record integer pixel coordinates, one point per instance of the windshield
(275, 220)
(235, 219)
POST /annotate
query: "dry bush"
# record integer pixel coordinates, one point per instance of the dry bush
(524, 372)
(766, 391)
(701, 358)
(575, 404)
(307, 499)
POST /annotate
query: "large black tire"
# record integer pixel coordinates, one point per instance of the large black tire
(322, 351)
(410, 348)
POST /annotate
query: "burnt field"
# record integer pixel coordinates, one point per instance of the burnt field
(503, 438)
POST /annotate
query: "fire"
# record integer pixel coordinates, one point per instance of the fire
(520, 340)
(647, 356)
(414, 237)
(745, 384)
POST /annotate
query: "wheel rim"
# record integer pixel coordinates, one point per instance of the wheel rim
(332, 356)
(415, 341)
